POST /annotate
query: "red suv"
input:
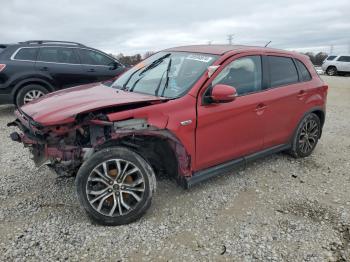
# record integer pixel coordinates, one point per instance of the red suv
(190, 112)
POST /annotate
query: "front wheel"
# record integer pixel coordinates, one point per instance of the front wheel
(115, 186)
(306, 136)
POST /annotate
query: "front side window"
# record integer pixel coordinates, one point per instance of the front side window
(90, 57)
(344, 59)
(282, 71)
(165, 74)
(305, 74)
(27, 54)
(57, 55)
(244, 74)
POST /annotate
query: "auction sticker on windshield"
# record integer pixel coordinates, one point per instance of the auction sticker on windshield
(201, 58)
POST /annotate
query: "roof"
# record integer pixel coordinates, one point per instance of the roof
(220, 49)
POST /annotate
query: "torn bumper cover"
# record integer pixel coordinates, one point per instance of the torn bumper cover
(33, 137)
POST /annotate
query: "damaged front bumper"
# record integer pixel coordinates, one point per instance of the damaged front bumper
(33, 136)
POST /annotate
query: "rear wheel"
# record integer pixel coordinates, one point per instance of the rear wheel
(115, 186)
(30, 93)
(331, 71)
(306, 136)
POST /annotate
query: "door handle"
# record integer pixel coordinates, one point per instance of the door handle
(91, 70)
(44, 68)
(260, 107)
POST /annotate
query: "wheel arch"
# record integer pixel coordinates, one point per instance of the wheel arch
(321, 115)
(161, 149)
(319, 111)
(29, 81)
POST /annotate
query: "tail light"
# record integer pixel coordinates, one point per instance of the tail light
(2, 67)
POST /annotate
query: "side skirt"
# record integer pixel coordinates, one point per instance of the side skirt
(226, 167)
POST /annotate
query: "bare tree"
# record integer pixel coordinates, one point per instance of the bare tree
(148, 54)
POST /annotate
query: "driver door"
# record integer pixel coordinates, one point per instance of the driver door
(226, 131)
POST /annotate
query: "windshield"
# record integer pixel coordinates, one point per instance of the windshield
(166, 74)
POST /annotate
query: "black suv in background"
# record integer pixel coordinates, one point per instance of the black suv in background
(31, 69)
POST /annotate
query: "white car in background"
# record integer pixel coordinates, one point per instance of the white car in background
(336, 65)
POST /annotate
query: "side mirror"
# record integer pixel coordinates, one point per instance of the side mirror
(223, 93)
(114, 65)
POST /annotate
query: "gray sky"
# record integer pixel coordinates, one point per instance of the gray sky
(138, 26)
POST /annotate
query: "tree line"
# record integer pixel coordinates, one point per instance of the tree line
(132, 59)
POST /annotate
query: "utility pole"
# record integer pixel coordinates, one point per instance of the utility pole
(209, 42)
(331, 49)
(230, 38)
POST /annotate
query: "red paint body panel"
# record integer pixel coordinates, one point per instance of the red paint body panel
(61, 107)
(168, 115)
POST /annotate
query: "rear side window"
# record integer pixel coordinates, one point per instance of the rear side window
(58, 55)
(331, 57)
(344, 59)
(305, 74)
(27, 54)
(90, 57)
(282, 71)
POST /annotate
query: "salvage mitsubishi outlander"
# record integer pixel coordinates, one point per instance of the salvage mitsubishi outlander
(189, 112)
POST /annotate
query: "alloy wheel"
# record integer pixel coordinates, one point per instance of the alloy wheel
(331, 71)
(115, 187)
(308, 136)
(32, 95)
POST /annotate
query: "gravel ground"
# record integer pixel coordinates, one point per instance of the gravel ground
(275, 209)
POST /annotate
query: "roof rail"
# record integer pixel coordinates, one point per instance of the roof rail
(40, 42)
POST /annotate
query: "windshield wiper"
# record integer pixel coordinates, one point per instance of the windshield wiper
(167, 77)
(150, 66)
(161, 79)
(155, 63)
(127, 81)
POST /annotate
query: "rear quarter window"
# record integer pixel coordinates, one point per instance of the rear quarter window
(282, 71)
(304, 72)
(28, 54)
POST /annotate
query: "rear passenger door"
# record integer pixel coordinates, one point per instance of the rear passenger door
(60, 64)
(98, 67)
(284, 97)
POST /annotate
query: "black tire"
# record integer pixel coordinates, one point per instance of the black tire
(332, 71)
(306, 136)
(24, 91)
(86, 182)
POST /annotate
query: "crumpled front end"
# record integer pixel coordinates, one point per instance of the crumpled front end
(65, 147)
(54, 146)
